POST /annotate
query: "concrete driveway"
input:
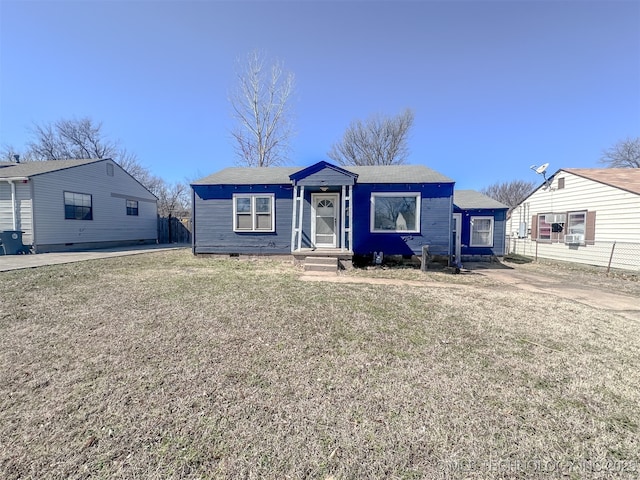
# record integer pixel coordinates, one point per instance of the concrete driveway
(17, 262)
(618, 296)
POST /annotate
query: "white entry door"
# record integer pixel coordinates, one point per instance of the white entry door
(324, 219)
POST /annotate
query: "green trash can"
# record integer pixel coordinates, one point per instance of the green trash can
(12, 243)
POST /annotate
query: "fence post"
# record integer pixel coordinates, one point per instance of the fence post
(426, 257)
(613, 247)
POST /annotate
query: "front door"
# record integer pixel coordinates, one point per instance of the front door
(324, 219)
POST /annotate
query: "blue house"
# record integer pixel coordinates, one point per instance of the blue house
(479, 226)
(324, 209)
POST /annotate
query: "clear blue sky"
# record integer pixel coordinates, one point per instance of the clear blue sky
(495, 85)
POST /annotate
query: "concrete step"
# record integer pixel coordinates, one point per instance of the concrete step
(322, 260)
(321, 264)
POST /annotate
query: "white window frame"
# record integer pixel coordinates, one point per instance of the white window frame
(77, 200)
(253, 213)
(568, 227)
(541, 219)
(491, 227)
(132, 208)
(375, 195)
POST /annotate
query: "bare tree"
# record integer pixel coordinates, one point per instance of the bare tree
(624, 154)
(83, 139)
(379, 140)
(261, 106)
(510, 193)
(173, 199)
(8, 153)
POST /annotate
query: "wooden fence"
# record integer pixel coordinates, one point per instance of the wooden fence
(173, 230)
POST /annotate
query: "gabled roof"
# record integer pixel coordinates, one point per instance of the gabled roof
(624, 178)
(366, 174)
(315, 168)
(30, 169)
(470, 200)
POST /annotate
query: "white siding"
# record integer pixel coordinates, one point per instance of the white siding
(24, 211)
(110, 220)
(617, 218)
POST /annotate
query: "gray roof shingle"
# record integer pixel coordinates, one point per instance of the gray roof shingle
(470, 200)
(366, 174)
(29, 169)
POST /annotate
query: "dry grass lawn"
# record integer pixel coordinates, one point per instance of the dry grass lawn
(166, 366)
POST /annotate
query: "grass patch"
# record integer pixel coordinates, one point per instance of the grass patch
(166, 365)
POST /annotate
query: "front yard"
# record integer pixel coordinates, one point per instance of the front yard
(166, 366)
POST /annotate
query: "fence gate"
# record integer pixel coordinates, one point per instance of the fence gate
(173, 230)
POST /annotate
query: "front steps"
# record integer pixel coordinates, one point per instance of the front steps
(321, 265)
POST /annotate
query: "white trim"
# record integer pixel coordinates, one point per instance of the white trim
(299, 246)
(349, 205)
(253, 213)
(315, 198)
(374, 195)
(294, 229)
(343, 224)
(485, 217)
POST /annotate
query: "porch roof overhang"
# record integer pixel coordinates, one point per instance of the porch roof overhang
(323, 174)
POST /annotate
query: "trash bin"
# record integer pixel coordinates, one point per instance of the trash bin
(12, 242)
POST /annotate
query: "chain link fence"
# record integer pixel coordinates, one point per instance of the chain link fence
(611, 255)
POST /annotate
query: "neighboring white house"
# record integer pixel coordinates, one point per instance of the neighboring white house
(75, 204)
(578, 215)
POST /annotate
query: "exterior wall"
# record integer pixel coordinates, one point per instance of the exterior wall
(213, 221)
(499, 232)
(435, 221)
(24, 209)
(617, 218)
(110, 225)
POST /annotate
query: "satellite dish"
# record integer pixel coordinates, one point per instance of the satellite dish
(542, 168)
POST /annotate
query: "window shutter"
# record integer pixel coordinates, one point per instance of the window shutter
(590, 229)
(534, 228)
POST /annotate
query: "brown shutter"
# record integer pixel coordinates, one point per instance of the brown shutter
(534, 228)
(590, 229)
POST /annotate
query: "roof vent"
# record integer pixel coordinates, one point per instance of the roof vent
(16, 158)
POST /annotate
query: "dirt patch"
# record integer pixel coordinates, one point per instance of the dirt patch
(618, 294)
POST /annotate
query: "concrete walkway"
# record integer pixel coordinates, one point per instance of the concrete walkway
(17, 262)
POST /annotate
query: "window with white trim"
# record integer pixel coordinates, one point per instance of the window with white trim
(544, 228)
(481, 232)
(395, 212)
(132, 207)
(78, 206)
(576, 225)
(253, 213)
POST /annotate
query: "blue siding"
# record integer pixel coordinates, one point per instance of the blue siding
(435, 221)
(213, 221)
(499, 231)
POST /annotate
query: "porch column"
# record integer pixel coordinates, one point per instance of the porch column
(293, 218)
(351, 216)
(300, 217)
(343, 226)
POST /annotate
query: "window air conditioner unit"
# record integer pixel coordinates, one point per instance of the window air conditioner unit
(574, 239)
(555, 218)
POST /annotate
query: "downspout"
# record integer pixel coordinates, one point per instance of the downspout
(14, 207)
(14, 204)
